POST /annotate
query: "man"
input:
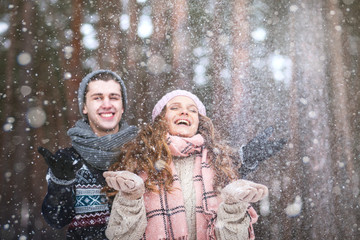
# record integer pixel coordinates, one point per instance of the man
(75, 178)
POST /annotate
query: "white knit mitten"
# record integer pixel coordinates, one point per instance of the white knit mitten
(243, 190)
(129, 184)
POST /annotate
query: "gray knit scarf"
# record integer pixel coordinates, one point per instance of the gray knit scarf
(100, 152)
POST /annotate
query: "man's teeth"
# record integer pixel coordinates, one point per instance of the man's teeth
(106, 114)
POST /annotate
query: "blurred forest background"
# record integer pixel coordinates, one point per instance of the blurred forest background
(291, 64)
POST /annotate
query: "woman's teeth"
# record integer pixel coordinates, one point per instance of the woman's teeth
(183, 122)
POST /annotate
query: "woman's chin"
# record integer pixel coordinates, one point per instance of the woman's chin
(186, 135)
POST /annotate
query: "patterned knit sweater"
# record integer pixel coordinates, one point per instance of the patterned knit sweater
(78, 204)
(128, 218)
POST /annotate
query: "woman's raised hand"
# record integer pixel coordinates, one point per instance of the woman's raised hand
(243, 190)
(129, 184)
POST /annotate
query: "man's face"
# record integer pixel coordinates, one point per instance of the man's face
(182, 116)
(103, 106)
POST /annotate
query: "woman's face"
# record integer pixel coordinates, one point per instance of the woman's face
(182, 116)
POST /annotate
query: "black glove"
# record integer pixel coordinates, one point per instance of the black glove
(64, 164)
(260, 148)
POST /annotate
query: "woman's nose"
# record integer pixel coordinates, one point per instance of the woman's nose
(184, 112)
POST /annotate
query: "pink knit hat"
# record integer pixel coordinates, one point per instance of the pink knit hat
(167, 97)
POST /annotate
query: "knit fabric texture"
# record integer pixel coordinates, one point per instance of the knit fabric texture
(81, 206)
(167, 97)
(167, 213)
(100, 152)
(85, 81)
(165, 210)
(184, 167)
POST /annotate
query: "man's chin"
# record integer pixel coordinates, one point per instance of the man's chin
(110, 129)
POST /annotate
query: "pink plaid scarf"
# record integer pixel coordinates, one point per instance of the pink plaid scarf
(166, 212)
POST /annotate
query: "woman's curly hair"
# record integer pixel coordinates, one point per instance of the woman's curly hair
(149, 149)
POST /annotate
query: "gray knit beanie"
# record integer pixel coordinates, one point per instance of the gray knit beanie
(85, 82)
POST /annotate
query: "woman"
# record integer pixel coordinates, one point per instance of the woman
(175, 181)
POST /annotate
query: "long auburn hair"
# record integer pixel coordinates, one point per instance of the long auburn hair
(149, 148)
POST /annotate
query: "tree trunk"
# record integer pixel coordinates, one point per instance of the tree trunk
(135, 82)
(73, 64)
(241, 99)
(181, 61)
(110, 51)
(159, 55)
(221, 100)
(310, 169)
(344, 178)
(17, 195)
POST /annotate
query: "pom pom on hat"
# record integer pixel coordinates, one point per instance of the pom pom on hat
(167, 97)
